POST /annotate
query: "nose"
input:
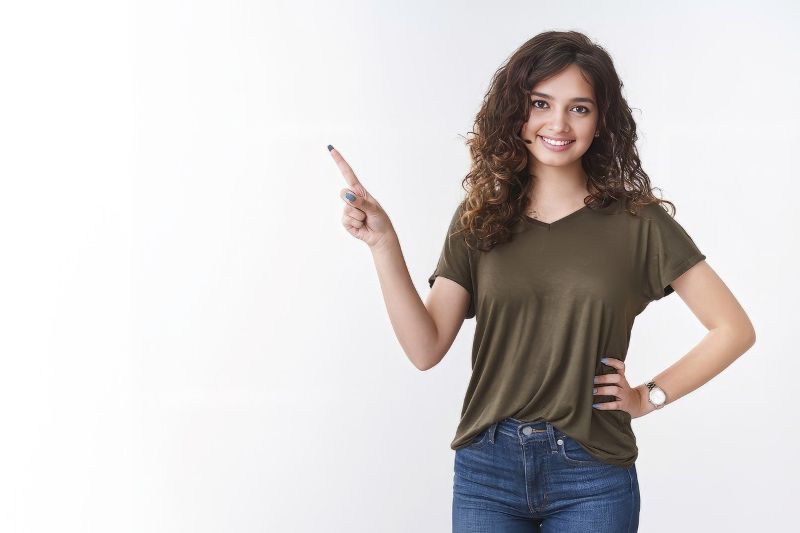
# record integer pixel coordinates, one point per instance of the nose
(559, 122)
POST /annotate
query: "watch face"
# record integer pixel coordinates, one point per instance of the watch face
(657, 396)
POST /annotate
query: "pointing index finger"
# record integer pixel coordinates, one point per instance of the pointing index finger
(347, 172)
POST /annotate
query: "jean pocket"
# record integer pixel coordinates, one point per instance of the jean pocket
(480, 440)
(573, 453)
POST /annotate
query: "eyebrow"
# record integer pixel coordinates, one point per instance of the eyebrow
(576, 99)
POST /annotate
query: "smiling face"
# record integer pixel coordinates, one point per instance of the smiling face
(562, 108)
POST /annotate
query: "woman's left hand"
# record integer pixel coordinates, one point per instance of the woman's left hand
(629, 399)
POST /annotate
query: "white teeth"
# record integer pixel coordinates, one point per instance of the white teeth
(555, 143)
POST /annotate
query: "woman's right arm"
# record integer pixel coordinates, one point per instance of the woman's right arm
(425, 331)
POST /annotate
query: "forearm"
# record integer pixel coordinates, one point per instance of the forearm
(714, 353)
(412, 324)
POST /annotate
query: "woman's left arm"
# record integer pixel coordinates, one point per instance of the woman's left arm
(730, 334)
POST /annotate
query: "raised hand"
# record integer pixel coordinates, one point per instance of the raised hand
(362, 217)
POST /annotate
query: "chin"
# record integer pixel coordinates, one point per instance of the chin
(556, 158)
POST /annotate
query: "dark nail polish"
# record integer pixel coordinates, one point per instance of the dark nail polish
(330, 147)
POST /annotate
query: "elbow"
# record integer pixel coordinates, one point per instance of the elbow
(747, 335)
(425, 363)
(751, 334)
(423, 366)
(751, 337)
(740, 336)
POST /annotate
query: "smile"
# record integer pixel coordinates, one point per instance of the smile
(555, 146)
(556, 143)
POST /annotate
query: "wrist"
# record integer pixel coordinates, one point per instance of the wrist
(387, 242)
(645, 407)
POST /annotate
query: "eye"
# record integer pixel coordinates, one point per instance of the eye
(585, 111)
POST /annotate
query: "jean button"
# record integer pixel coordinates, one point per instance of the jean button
(560, 442)
(527, 430)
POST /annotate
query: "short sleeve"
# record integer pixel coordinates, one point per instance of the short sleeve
(670, 252)
(455, 262)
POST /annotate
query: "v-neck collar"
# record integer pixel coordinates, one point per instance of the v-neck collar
(550, 225)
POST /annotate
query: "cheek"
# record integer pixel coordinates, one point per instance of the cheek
(531, 127)
(589, 128)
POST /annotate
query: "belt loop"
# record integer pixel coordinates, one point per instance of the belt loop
(492, 432)
(551, 434)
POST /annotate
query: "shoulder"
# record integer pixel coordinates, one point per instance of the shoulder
(458, 212)
(654, 209)
(619, 207)
(652, 213)
(651, 217)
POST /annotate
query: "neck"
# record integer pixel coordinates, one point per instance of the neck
(558, 188)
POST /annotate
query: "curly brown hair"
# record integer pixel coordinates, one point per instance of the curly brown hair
(498, 182)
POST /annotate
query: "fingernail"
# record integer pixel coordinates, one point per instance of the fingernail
(350, 196)
(595, 404)
(330, 147)
(604, 360)
(594, 391)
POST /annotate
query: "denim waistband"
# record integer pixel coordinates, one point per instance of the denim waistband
(537, 430)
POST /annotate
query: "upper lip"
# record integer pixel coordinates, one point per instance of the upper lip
(555, 138)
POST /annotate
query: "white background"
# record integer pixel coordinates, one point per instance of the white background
(191, 341)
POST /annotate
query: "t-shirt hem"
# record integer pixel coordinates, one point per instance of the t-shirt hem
(449, 275)
(684, 266)
(467, 286)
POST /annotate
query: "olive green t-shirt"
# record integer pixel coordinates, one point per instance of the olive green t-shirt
(549, 304)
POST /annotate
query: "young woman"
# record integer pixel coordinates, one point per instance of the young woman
(557, 246)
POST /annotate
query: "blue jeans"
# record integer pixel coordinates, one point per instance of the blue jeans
(529, 476)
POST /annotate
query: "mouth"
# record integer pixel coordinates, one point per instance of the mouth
(555, 145)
